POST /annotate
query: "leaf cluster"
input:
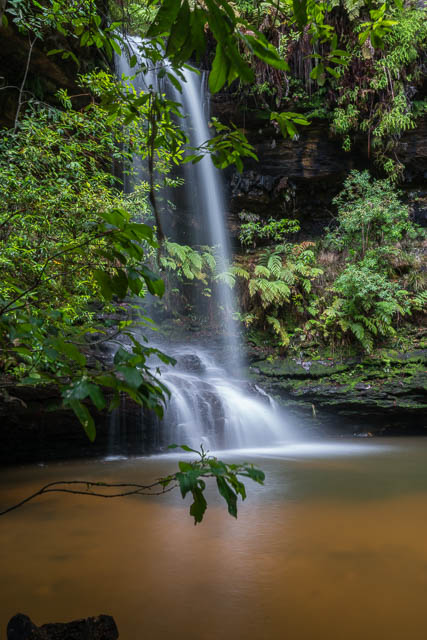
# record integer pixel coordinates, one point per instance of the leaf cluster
(191, 479)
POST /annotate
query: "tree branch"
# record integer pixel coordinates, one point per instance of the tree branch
(24, 80)
(62, 486)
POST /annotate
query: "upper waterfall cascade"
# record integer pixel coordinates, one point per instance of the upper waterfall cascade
(210, 403)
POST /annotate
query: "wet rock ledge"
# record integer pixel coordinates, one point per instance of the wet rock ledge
(385, 395)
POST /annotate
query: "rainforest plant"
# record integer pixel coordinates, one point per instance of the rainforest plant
(278, 283)
(372, 227)
(370, 216)
(255, 232)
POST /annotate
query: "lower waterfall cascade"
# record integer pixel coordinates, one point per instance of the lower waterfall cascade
(208, 407)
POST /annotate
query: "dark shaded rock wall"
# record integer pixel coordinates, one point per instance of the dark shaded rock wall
(300, 178)
(46, 74)
(35, 428)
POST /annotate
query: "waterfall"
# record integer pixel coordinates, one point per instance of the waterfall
(209, 206)
(211, 403)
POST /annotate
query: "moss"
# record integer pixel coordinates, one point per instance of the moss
(387, 383)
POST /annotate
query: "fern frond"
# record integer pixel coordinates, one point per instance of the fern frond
(419, 301)
(279, 330)
(195, 260)
(274, 265)
(209, 260)
(261, 270)
(240, 272)
(306, 285)
(226, 277)
(187, 272)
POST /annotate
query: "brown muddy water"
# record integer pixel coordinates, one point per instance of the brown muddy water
(333, 547)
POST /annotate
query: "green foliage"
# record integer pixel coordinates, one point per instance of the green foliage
(191, 477)
(370, 215)
(332, 62)
(68, 253)
(359, 294)
(228, 147)
(187, 262)
(183, 25)
(372, 224)
(287, 121)
(381, 104)
(254, 231)
(277, 285)
(83, 20)
(367, 303)
(378, 27)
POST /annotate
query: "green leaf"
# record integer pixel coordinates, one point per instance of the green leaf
(78, 391)
(70, 350)
(116, 217)
(164, 19)
(174, 81)
(97, 397)
(53, 52)
(267, 53)
(333, 72)
(218, 74)
(219, 23)
(197, 27)
(228, 494)
(187, 481)
(119, 283)
(180, 30)
(255, 474)
(155, 285)
(300, 12)
(104, 281)
(185, 466)
(132, 376)
(115, 46)
(199, 506)
(85, 418)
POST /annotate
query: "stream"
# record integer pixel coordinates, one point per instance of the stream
(334, 546)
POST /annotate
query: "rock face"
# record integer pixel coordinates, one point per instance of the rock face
(387, 395)
(102, 627)
(300, 178)
(35, 428)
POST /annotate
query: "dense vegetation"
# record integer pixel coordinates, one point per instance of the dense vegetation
(358, 283)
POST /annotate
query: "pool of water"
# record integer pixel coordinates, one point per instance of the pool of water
(333, 546)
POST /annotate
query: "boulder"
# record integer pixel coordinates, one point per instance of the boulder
(101, 627)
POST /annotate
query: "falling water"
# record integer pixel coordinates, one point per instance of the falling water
(209, 206)
(210, 404)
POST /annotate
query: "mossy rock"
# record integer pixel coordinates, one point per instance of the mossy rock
(300, 369)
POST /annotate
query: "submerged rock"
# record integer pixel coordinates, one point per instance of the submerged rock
(101, 627)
